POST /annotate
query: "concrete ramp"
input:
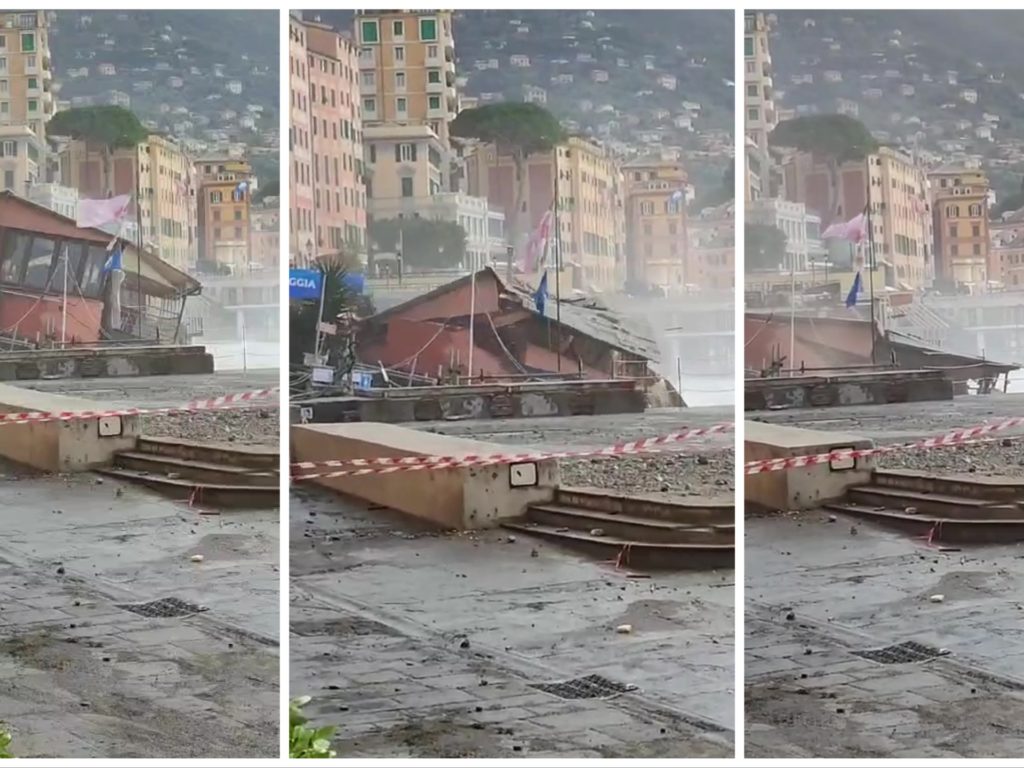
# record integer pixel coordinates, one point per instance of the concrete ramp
(806, 487)
(461, 498)
(61, 446)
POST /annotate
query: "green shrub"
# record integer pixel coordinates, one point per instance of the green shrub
(304, 742)
(5, 744)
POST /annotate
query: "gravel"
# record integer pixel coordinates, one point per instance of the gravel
(1002, 456)
(677, 474)
(249, 426)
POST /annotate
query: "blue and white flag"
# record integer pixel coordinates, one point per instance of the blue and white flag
(540, 296)
(113, 261)
(851, 297)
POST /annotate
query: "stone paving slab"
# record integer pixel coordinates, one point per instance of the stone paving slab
(818, 591)
(442, 636)
(81, 677)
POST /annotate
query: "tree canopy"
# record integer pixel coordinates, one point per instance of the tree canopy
(764, 247)
(513, 126)
(838, 138)
(112, 127)
(425, 242)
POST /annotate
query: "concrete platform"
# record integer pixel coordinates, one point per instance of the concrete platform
(61, 446)
(463, 498)
(854, 388)
(807, 487)
(93, 362)
(479, 401)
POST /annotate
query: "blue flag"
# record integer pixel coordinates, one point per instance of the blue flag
(851, 297)
(540, 296)
(113, 261)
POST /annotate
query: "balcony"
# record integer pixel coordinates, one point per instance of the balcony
(437, 87)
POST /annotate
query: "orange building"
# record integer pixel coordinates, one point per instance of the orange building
(656, 229)
(223, 230)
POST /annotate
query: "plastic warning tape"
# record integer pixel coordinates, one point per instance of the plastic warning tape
(384, 465)
(956, 437)
(257, 397)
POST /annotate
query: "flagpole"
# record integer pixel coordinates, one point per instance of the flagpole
(871, 258)
(138, 225)
(64, 311)
(472, 318)
(558, 271)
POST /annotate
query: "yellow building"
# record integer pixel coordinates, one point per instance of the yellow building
(407, 69)
(404, 163)
(161, 171)
(960, 213)
(223, 233)
(656, 237)
(26, 96)
(590, 209)
(760, 117)
(899, 201)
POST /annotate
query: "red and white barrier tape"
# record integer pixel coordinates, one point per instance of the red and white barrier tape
(224, 402)
(408, 463)
(956, 437)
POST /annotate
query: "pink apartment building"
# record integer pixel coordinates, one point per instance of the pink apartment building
(301, 246)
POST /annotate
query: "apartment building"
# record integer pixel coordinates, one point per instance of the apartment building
(301, 244)
(26, 70)
(792, 220)
(22, 158)
(656, 227)
(336, 140)
(961, 227)
(161, 172)
(224, 234)
(407, 69)
(900, 210)
(589, 186)
(266, 234)
(405, 165)
(759, 104)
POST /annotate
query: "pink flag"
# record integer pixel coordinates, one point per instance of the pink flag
(854, 230)
(96, 213)
(535, 245)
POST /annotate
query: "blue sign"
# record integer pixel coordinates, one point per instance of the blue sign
(304, 284)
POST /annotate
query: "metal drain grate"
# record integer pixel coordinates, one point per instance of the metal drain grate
(909, 652)
(589, 687)
(164, 608)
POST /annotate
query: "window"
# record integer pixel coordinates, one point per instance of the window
(954, 250)
(216, 214)
(3, 63)
(370, 32)
(30, 62)
(748, 46)
(647, 208)
(399, 53)
(431, 51)
(87, 262)
(401, 105)
(3, 42)
(28, 42)
(753, 113)
(10, 149)
(373, 153)
(752, 89)
(400, 81)
(398, 29)
(238, 215)
(33, 105)
(40, 262)
(405, 153)
(406, 186)
(216, 197)
(952, 230)
(976, 231)
(369, 105)
(428, 29)
(369, 79)
(33, 82)
(433, 75)
(27, 20)
(434, 102)
(977, 250)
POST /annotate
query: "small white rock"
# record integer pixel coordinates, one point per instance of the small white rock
(937, 598)
(196, 558)
(624, 629)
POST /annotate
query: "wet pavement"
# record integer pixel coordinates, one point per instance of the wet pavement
(81, 676)
(819, 592)
(417, 643)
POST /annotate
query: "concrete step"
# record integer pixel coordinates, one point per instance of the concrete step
(632, 554)
(628, 527)
(953, 530)
(1007, 489)
(675, 510)
(931, 504)
(197, 471)
(203, 494)
(254, 457)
